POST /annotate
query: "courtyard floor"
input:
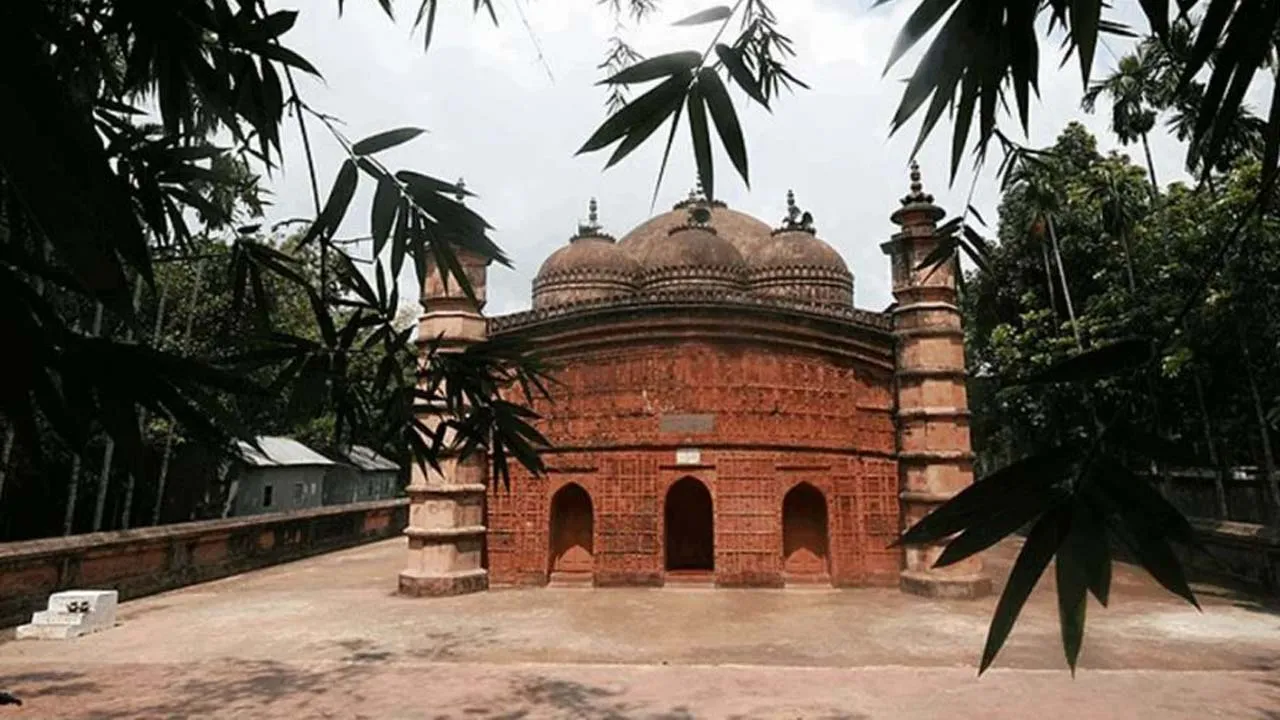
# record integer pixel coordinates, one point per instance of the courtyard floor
(328, 638)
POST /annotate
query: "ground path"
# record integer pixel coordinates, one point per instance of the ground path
(328, 638)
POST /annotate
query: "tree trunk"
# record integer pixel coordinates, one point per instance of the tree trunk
(108, 451)
(1066, 290)
(1048, 276)
(1268, 456)
(1220, 480)
(1151, 167)
(1128, 262)
(9, 435)
(126, 512)
(196, 289)
(73, 489)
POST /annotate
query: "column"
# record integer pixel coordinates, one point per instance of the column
(934, 457)
(446, 507)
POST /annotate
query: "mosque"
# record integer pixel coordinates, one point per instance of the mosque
(723, 414)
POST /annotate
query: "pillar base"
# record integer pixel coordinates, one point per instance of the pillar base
(944, 587)
(414, 584)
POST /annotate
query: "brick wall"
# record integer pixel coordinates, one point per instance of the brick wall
(1244, 552)
(151, 560)
(764, 418)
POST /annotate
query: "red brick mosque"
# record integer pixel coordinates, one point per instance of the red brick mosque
(723, 415)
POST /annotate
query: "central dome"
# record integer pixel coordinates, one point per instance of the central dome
(746, 233)
(692, 257)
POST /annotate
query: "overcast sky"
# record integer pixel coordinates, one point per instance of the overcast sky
(509, 117)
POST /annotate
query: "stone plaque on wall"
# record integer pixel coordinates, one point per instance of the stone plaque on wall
(686, 423)
(688, 456)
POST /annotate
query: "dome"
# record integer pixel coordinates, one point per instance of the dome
(591, 267)
(744, 232)
(796, 265)
(691, 257)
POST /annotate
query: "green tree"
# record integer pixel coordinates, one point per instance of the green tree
(95, 193)
(1130, 89)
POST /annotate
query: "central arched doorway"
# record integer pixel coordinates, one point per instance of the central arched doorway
(690, 528)
(805, 555)
(572, 545)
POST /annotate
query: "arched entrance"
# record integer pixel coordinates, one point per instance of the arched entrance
(690, 529)
(572, 549)
(805, 554)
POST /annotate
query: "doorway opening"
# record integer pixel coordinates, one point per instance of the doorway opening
(690, 528)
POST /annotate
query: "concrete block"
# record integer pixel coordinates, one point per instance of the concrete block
(71, 614)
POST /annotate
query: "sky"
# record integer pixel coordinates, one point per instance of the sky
(507, 107)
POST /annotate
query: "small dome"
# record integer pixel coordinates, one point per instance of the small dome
(798, 248)
(691, 256)
(591, 267)
(796, 265)
(744, 232)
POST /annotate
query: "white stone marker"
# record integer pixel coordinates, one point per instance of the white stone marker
(71, 614)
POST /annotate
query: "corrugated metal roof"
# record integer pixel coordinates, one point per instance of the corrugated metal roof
(366, 459)
(281, 452)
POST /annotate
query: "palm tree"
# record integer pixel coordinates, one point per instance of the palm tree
(1120, 210)
(1131, 89)
(1042, 198)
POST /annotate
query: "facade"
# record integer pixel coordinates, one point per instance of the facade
(723, 414)
(361, 475)
(285, 475)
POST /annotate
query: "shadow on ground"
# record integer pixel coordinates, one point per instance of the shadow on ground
(269, 688)
(31, 686)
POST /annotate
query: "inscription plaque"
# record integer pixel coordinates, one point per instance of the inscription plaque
(686, 423)
(688, 456)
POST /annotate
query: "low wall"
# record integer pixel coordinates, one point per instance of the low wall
(1244, 552)
(154, 559)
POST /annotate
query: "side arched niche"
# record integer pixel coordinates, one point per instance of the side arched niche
(806, 554)
(572, 527)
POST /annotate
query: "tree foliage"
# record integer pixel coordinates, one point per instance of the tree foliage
(109, 162)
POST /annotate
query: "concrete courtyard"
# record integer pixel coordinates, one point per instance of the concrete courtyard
(328, 638)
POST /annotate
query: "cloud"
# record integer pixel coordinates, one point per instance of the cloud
(510, 122)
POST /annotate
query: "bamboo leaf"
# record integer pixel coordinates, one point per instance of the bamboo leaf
(927, 14)
(1073, 582)
(1034, 475)
(385, 140)
(1041, 544)
(1099, 362)
(710, 15)
(1085, 16)
(655, 67)
(741, 75)
(639, 111)
(1004, 520)
(701, 141)
(386, 200)
(725, 119)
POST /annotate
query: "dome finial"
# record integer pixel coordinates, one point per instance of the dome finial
(796, 219)
(697, 195)
(462, 189)
(917, 194)
(591, 228)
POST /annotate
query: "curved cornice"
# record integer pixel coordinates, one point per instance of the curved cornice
(691, 314)
(575, 275)
(799, 272)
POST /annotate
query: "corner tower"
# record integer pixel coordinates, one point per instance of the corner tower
(935, 461)
(446, 507)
